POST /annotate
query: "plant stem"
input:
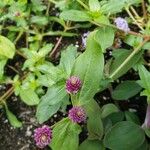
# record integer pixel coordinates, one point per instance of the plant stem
(134, 11)
(132, 17)
(81, 3)
(129, 58)
(18, 37)
(144, 10)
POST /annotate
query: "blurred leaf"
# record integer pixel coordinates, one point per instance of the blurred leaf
(108, 109)
(94, 122)
(75, 15)
(29, 96)
(65, 135)
(7, 48)
(144, 76)
(2, 65)
(12, 118)
(116, 6)
(133, 40)
(123, 136)
(94, 5)
(120, 59)
(39, 20)
(116, 117)
(68, 57)
(126, 90)
(105, 37)
(132, 117)
(51, 102)
(91, 145)
(89, 67)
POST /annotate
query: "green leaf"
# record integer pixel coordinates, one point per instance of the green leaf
(89, 67)
(133, 40)
(68, 57)
(94, 122)
(94, 5)
(126, 90)
(114, 72)
(115, 6)
(2, 65)
(29, 96)
(144, 76)
(12, 118)
(116, 117)
(91, 145)
(123, 136)
(75, 15)
(65, 135)
(51, 102)
(132, 117)
(108, 109)
(7, 48)
(105, 37)
(39, 20)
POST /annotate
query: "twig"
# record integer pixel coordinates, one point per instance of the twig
(15, 70)
(55, 48)
(144, 9)
(135, 21)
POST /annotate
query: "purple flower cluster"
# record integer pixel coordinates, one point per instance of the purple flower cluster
(43, 136)
(147, 118)
(77, 114)
(122, 24)
(73, 85)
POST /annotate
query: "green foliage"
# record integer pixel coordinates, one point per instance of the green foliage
(123, 136)
(105, 37)
(94, 123)
(145, 78)
(51, 102)
(12, 118)
(126, 90)
(7, 48)
(89, 66)
(91, 144)
(75, 15)
(108, 109)
(65, 135)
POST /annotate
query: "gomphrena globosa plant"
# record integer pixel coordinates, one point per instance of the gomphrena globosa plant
(83, 67)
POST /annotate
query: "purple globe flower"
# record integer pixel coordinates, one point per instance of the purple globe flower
(122, 24)
(73, 85)
(77, 114)
(43, 136)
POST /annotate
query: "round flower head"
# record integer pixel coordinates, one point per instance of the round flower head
(73, 85)
(77, 114)
(122, 24)
(42, 136)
